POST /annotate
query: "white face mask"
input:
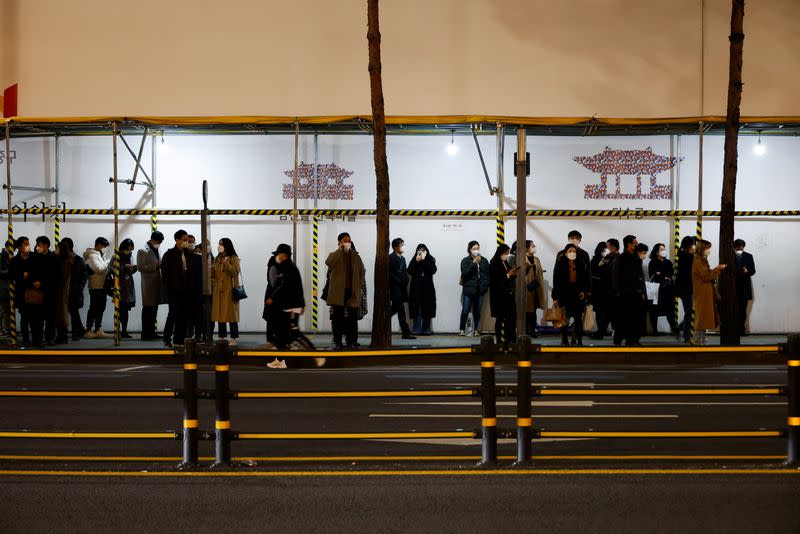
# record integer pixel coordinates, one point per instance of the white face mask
(189, 245)
(663, 253)
(476, 252)
(347, 246)
(26, 249)
(220, 249)
(739, 252)
(572, 256)
(155, 245)
(575, 242)
(401, 248)
(643, 255)
(422, 254)
(39, 250)
(707, 253)
(532, 250)
(604, 253)
(504, 257)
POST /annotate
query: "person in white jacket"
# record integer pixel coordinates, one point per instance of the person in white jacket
(98, 270)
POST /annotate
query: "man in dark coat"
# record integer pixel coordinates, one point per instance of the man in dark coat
(19, 273)
(45, 269)
(629, 290)
(422, 293)
(398, 286)
(175, 272)
(286, 298)
(745, 269)
(683, 284)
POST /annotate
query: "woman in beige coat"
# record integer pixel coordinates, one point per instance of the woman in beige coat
(225, 310)
(534, 281)
(703, 279)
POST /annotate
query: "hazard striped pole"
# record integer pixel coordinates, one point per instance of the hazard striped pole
(501, 229)
(153, 222)
(676, 234)
(117, 332)
(56, 230)
(314, 274)
(699, 234)
(12, 313)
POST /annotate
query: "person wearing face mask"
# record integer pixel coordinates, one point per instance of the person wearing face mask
(534, 284)
(474, 281)
(683, 283)
(19, 274)
(176, 276)
(127, 286)
(660, 271)
(502, 277)
(398, 285)
(224, 309)
(705, 301)
(602, 295)
(46, 265)
(288, 301)
(197, 315)
(98, 266)
(745, 269)
(570, 290)
(69, 296)
(422, 293)
(344, 291)
(148, 263)
(629, 293)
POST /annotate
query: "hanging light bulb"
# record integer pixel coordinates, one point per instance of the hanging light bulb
(452, 148)
(760, 149)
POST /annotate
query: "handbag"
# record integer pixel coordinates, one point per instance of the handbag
(555, 315)
(589, 319)
(237, 292)
(34, 296)
(652, 291)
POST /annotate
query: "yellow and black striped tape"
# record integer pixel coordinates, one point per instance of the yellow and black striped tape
(117, 323)
(315, 275)
(12, 312)
(676, 247)
(56, 230)
(501, 229)
(153, 222)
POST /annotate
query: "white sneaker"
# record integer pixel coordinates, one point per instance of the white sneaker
(475, 333)
(89, 334)
(275, 364)
(462, 333)
(320, 362)
(99, 334)
(233, 342)
(282, 364)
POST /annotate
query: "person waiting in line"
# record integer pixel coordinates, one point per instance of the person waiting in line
(176, 277)
(127, 286)
(5, 295)
(570, 291)
(288, 303)
(148, 263)
(19, 273)
(745, 269)
(398, 286)
(98, 267)
(224, 308)
(197, 327)
(422, 292)
(345, 288)
(683, 284)
(599, 298)
(69, 292)
(602, 294)
(269, 311)
(705, 301)
(660, 271)
(474, 282)
(629, 291)
(47, 263)
(534, 285)
(502, 277)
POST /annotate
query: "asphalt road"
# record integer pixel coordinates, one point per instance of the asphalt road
(577, 485)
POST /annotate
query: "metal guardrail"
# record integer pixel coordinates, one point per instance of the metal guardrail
(487, 391)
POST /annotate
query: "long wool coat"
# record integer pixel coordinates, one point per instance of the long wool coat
(153, 290)
(422, 294)
(705, 306)
(336, 282)
(226, 276)
(535, 296)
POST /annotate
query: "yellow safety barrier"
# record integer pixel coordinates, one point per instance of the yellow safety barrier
(656, 392)
(90, 435)
(713, 434)
(360, 435)
(105, 394)
(351, 394)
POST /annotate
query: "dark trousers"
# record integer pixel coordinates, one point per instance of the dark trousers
(654, 315)
(604, 316)
(743, 302)
(575, 310)
(49, 318)
(471, 303)
(686, 324)
(505, 324)
(530, 323)
(76, 323)
(223, 330)
(399, 308)
(345, 322)
(149, 315)
(24, 325)
(124, 315)
(422, 325)
(97, 307)
(35, 314)
(630, 319)
(179, 312)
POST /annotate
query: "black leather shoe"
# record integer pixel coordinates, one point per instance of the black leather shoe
(409, 336)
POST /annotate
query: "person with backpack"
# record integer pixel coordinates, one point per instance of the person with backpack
(97, 266)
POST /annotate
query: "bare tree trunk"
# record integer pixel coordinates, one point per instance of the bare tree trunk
(729, 314)
(381, 331)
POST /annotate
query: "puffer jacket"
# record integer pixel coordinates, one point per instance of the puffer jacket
(99, 266)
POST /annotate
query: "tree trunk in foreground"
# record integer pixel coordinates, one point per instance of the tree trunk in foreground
(381, 325)
(728, 309)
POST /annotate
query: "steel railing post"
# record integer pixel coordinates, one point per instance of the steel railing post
(488, 402)
(793, 393)
(524, 386)
(222, 401)
(190, 420)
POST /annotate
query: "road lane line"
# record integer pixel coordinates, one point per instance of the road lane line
(536, 416)
(131, 368)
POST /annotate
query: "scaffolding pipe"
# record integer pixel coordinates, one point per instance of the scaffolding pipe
(483, 163)
(520, 169)
(10, 247)
(117, 333)
(295, 185)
